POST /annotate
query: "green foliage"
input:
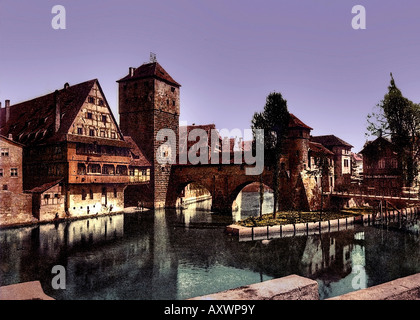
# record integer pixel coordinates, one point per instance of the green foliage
(274, 120)
(399, 118)
(292, 217)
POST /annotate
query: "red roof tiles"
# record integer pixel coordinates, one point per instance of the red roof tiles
(330, 141)
(151, 70)
(295, 122)
(33, 122)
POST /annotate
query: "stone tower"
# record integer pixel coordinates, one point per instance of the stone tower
(148, 102)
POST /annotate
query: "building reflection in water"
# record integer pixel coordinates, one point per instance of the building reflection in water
(182, 254)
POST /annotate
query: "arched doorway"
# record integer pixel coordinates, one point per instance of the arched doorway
(247, 202)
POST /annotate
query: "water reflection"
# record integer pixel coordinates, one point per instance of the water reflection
(248, 204)
(182, 254)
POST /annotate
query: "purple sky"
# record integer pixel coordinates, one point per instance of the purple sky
(228, 55)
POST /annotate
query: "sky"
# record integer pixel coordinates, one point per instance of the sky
(227, 55)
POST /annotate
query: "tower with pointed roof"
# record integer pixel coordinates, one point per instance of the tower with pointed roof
(148, 102)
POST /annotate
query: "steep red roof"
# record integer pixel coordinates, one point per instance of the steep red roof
(11, 141)
(32, 122)
(377, 146)
(45, 186)
(295, 122)
(151, 70)
(356, 156)
(137, 156)
(319, 148)
(330, 141)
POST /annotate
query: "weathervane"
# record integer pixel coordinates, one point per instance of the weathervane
(152, 57)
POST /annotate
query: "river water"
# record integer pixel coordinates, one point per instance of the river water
(173, 254)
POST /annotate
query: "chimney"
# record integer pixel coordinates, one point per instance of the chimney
(7, 105)
(131, 71)
(57, 112)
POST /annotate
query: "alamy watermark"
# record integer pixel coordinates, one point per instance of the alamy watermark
(359, 280)
(59, 280)
(359, 20)
(206, 149)
(59, 20)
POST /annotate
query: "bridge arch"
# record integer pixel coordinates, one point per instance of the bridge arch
(191, 193)
(246, 200)
(223, 183)
(177, 187)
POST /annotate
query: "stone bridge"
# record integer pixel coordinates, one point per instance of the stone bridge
(224, 182)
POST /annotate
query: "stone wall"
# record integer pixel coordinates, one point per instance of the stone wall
(295, 287)
(15, 208)
(95, 199)
(292, 287)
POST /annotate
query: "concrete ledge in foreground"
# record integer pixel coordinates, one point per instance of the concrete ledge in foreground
(24, 291)
(407, 288)
(292, 287)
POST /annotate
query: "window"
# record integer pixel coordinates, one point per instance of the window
(394, 163)
(5, 187)
(115, 193)
(122, 170)
(13, 172)
(104, 118)
(94, 168)
(83, 194)
(172, 89)
(91, 99)
(102, 134)
(346, 163)
(46, 198)
(4, 152)
(381, 164)
(108, 169)
(1, 172)
(90, 194)
(81, 168)
(89, 115)
(113, 135)
(101, 102)
(79, 130)
(92, 132)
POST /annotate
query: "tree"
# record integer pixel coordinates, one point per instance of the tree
(399, 119)
(274, 120)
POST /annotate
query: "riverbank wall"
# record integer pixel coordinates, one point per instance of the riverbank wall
(295, 287)
(292, 287)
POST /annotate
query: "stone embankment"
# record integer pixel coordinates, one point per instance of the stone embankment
(295, 287)
(292, 287)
